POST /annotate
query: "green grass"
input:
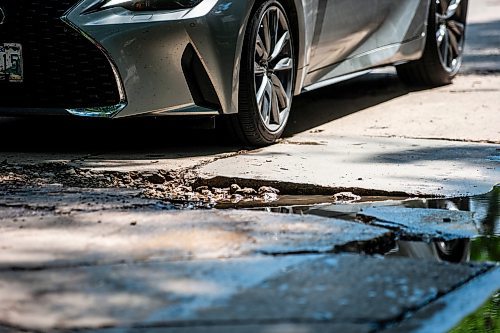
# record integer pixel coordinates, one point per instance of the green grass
(486, 319)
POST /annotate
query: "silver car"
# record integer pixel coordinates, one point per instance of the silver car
(243, 60)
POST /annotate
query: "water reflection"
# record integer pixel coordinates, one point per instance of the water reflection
(486, 209)
(452, 251)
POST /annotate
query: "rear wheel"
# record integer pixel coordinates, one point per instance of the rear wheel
(267, 77)
(443, 52)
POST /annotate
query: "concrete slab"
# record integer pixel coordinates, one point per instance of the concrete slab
(338, 289)
(127, 236)
(437, 224)
(415, 167)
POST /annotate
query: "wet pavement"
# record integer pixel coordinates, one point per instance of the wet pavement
(376, 213)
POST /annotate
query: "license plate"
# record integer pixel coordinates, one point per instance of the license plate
(11, 62)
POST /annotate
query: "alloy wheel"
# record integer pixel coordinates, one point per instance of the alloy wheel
(273, 68)
(450, 32)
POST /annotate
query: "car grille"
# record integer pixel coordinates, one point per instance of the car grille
(62, 69)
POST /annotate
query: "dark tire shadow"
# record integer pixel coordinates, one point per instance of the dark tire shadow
(188, 135)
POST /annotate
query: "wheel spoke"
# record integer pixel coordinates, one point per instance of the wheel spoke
(260, 49)
(262, 89)
(275, 110)
(283, 65)
(443, 5)
(267, 33)
(446, 48)
(452, 8)
(278, 48)
(275, 27)
(457, 27)
(268, 101)
(280, 92)
(453, 44)
(265, 110)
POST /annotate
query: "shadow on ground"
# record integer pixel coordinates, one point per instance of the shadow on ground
(322, 106)
(168, 134)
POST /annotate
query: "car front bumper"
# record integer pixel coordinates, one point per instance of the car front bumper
(148, 52)
(182, 61)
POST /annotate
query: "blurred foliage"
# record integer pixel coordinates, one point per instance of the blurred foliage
(485, 320)
(485, 249)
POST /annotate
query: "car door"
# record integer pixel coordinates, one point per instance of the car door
(343, 30)
(401, 21)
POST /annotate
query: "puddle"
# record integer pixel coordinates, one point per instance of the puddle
(486, 218)
(283, 201)
(305, 201)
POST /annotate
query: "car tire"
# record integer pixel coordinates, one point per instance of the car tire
(442, 56)
(453, 251)
(267, 75)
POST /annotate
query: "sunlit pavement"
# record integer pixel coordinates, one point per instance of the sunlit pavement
(110, 260)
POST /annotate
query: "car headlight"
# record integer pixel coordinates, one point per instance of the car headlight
(145, 5)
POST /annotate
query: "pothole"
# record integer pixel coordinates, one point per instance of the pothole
(483, 212)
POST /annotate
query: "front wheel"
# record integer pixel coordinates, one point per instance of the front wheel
(267, 75)
(444, 46)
